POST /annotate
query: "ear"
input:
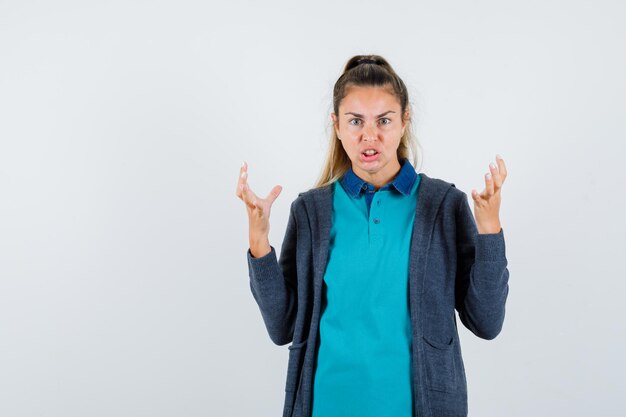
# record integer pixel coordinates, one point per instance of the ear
(333, 117)
(405, 120)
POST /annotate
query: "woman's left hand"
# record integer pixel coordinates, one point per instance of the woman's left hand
(487, 203)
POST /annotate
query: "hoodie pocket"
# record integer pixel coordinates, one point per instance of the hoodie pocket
(440, 364)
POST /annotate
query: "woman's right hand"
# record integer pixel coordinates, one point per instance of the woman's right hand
(258, 212)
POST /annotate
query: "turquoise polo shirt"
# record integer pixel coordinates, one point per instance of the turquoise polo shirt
(363, 365)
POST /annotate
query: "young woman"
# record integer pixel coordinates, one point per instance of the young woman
(376, 259)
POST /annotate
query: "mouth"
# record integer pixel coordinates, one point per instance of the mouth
(369, 155)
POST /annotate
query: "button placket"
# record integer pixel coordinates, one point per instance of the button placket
(376, 228)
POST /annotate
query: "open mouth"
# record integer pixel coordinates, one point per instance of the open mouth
(369, 155)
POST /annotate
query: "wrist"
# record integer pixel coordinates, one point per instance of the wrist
(492, 227)
(259, 246)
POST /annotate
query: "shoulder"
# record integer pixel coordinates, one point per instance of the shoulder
(317, 190)
(312, 201)
(434, 181)
(440, 184)
(315, 193)
(451, 196)
(307, 201)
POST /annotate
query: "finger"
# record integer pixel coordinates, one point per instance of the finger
(274, 193)
(488, 184)
(475, 196)
(243, 179)
(240, 180)
(241, 183)
(248, 196)
(495, 175)
(501, 167)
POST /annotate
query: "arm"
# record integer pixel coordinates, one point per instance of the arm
(274, 285)
(482, 277)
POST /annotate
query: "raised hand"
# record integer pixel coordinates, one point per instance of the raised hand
(487, 203)
(258, 212)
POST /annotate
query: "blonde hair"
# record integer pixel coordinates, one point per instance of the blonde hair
(367, 70)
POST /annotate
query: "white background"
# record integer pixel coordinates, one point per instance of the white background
(123, 281)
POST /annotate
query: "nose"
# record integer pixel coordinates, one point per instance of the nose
(369, 132)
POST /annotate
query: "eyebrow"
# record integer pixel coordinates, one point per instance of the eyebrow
(380, 115)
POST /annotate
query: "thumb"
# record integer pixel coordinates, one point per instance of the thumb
(274, 193)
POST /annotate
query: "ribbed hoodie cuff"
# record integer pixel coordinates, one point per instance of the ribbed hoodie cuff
(264, 266)
(490, 247)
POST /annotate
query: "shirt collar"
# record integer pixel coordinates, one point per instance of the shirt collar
(403, 182)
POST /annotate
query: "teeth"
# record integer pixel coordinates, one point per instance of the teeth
(369, 152)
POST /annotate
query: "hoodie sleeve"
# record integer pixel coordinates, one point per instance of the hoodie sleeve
(482, 276)
(274, 285)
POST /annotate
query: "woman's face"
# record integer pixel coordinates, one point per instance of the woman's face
(369, 118)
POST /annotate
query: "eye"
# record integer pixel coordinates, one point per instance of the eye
(388, 120)
(352, 120)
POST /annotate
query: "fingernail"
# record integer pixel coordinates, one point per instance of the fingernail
(488, 176)
(492, 165)
(498, 156)
(243, 174)
(244, 164)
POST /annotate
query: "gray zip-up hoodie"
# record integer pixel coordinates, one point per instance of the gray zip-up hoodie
(451, 267)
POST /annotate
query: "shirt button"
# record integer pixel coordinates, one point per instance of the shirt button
(376, 221)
